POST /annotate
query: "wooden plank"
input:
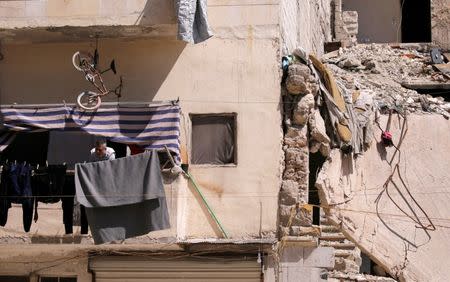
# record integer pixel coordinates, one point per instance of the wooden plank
(446, 56)
(444, 68)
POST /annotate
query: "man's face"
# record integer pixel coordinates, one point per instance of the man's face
(100, 150)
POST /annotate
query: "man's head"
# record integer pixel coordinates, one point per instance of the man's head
(100, 148)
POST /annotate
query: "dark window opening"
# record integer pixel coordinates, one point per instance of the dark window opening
(213, 139)
(368, 266)
(316, 161)
(119, 148)
(14, 279)
(57, 279)
(28, 147)
(445, 94)
(416, 21)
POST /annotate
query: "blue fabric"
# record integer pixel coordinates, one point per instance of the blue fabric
(149, 127)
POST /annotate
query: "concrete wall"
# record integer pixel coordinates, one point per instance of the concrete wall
(378, 21)
(440, 23)
(235, 71)
(45, 13)
(305, 24)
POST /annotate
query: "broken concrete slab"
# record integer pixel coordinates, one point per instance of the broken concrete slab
(317, 128)
(425, 85)
(385, 221)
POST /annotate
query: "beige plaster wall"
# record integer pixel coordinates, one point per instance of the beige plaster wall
(305, 24)
(378, 21)
(235, 71)
(44, 13)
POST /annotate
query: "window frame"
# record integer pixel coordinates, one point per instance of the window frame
(233, 115)
(57, 276)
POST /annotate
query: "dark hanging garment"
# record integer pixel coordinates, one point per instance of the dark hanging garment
(48, 185)
(68, 207)
(16, 184)
(5, 204)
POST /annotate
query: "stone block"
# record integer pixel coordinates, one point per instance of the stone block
(317, 128)
(319, 257)
(296, 137)
(296, 84)
(285, 213)
(346, 265)
(289, 192)
(350, 17)
(325, 149)
(303, 109)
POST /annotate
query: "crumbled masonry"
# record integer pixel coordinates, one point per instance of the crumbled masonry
(383, 69)
(370, 79)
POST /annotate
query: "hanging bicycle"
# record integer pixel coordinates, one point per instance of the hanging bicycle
(88, 64)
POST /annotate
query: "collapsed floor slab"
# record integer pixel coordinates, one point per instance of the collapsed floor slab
(393, 204)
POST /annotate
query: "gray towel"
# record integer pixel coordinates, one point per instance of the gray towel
(192, 20)
(123, 198)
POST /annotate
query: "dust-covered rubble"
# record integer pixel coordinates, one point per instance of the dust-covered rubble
(383, 69)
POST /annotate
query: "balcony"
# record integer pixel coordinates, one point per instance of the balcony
(70, 20)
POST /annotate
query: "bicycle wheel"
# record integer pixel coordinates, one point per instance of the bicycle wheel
(80, 59)
(89, 100)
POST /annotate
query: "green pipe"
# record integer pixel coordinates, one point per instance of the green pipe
(207, 205)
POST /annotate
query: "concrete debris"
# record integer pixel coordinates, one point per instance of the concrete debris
(337, 276)
(314, 146)
(350, 63)
(325, 149)
(294, 188)
(300, 80)
(317, 128)
(383, 69)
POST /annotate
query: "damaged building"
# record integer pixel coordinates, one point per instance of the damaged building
(262, 140)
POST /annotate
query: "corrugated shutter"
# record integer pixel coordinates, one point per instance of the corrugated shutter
(135, 269)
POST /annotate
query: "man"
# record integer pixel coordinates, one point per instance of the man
(101, 152)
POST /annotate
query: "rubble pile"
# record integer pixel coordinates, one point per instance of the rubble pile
(383, 69)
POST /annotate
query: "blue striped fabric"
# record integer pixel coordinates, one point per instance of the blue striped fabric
(150, 127)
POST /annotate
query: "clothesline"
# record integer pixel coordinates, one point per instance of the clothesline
(104, 104)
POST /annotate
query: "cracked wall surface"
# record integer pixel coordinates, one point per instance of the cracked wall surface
(305, 24)
(400, 222)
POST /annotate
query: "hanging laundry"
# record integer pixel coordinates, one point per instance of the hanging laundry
(15, 187)
(68, 207)
(192, 18)
(117, 190)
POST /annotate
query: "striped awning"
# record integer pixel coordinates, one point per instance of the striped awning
(151, 127)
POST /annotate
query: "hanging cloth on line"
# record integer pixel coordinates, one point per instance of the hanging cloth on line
(123, 198)
(149, 127)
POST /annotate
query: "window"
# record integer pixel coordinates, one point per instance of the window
(57, 279)
(213, 139)
(14, 279)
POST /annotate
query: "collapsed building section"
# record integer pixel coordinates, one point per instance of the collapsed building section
(355, 113)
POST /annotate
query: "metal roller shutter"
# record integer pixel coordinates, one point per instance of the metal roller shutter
(136, 269)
